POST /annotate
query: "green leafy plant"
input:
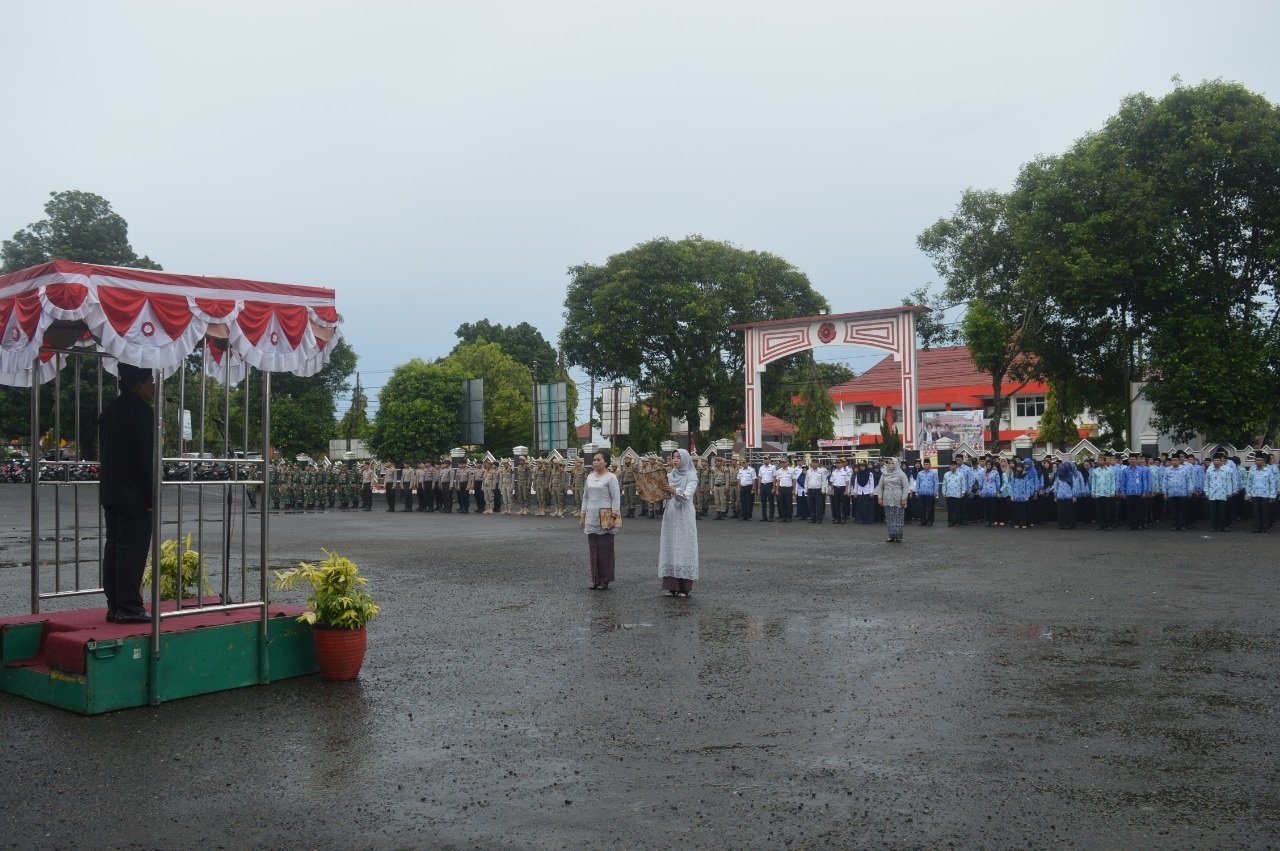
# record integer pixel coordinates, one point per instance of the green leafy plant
(180, 574)
(337, 599)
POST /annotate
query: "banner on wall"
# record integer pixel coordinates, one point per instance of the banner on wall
(961, 426)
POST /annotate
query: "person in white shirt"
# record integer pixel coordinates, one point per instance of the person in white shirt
(786, 483)
(746, 489)
(841, 475)
(816, 488)
(765, 485)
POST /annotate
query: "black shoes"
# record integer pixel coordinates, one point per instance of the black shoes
(124, 617)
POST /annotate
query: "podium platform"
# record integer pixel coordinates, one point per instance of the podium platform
(78, 661)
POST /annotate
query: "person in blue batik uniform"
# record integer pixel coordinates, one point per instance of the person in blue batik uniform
(1064, 493)
(1177, 489)
(927, 492)
(1218, 483)
(1260, 491)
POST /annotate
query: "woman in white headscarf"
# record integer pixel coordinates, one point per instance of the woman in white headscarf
(678, 545)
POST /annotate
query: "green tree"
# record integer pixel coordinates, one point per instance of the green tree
(526, 345)
(932, 329)
(816, 413)
(355, 422)
(975, 253)
(783, 396)
(417, 415)
(1153, 245)
(658, 315)
(1057, 426)
(303, 410)
(508, 393)
(79, 226)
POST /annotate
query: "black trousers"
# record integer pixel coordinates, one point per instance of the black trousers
(1133, 505)
(1066, 514)
(1177, 506)
(1021, 516)
(817, 505)
(784, 503)
(1106, 511)
(124, 557)
(1261, 513)
(927, 505)
(767, 507)
(1218, 515)
(366, 496)
(839, 503)
(464, 499)
(746, 501)
(955, 510)
(391, 497)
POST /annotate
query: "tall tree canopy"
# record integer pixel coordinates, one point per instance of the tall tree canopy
(526, 345)
(658, 315)
(79, 226)
(508, 393)
(975, 253)
(1154, 247)
(303, 413)
(417, 415)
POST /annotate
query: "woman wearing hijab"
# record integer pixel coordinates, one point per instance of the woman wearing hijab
(600, 490)
(891, 494)
(1023, 485)
(1064, 492)
(678, 544)
(864, 503)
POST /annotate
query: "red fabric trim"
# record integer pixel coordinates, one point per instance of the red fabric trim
(29, 310)
(253, 321)
(327, 314)
(121, 307)
(214, 307)
(66, 296)
(173, 313)
(293, 322)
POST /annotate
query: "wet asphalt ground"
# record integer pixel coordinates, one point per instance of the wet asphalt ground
(971, 688)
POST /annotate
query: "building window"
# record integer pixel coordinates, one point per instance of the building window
(1030, 406)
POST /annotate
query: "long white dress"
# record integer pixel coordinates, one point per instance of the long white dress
(678, 546)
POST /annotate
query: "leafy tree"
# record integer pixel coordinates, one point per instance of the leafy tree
(890, 443)
(932, 328)
(508, 393)
(1154, 249)
(658, 315)
(1057, 426)
(303, 410)
(417, 415)
(355, 421)
(816, 413)
(526, 345)
(782, 397)
(80, 226)
(975, 253)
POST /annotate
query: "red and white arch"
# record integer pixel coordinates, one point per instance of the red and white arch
(892, 330)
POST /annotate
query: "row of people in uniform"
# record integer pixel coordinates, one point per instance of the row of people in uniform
(1133, 490)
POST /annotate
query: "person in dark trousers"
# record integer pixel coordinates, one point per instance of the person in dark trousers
(126, 441)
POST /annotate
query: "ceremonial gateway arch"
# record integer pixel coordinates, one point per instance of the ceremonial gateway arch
(892, 330)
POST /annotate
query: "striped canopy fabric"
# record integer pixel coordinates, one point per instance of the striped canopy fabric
(155, 319)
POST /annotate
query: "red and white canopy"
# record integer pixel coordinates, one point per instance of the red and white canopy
(155, 319)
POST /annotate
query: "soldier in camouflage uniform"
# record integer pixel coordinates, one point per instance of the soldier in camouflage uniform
(577, 481)
(542, 487)
(523, 482)
(649, 465)
(556, 487)
(702, 498)
(627, 481)
(506, 484)
(489, 485)
(720, 484)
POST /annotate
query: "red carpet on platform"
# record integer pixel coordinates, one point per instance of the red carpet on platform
(64, 635)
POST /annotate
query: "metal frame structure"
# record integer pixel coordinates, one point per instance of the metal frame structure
(892, 330)
(170, 496)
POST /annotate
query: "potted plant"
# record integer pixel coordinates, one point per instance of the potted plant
(179, 574)
(338, 610)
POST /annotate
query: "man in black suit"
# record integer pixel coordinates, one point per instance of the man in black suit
(126, 440)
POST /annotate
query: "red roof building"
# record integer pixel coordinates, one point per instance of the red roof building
(948, 381)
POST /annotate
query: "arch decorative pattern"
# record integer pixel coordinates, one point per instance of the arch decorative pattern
(892, 330)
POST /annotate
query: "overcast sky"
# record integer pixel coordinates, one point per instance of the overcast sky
(443, 162)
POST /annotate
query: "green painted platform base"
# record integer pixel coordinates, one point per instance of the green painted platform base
(118, 672)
